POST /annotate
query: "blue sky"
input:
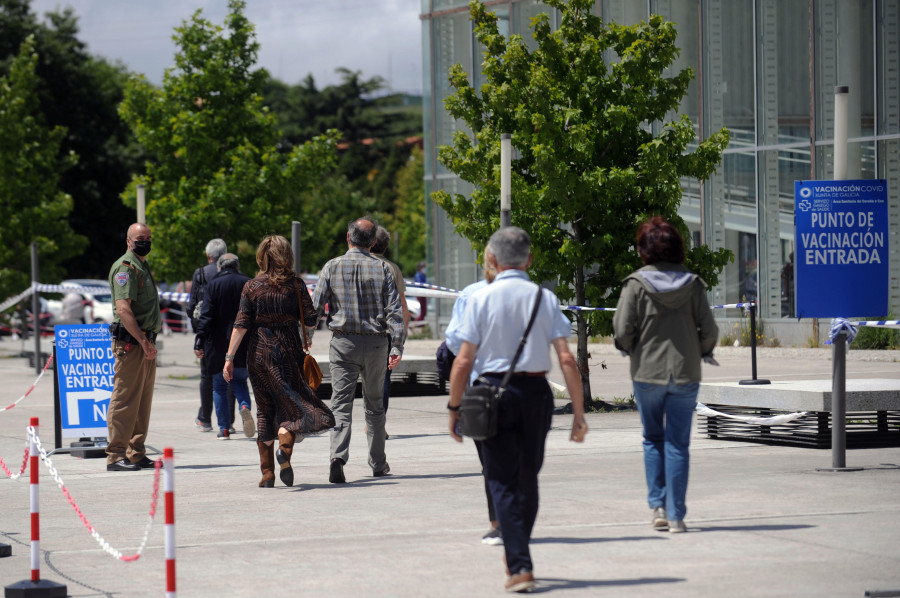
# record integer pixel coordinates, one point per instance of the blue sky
(297, 37)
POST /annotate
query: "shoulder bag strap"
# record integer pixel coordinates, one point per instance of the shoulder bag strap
(515, 359)
(302, 323)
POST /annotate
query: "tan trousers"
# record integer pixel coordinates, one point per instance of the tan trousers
(129, 407)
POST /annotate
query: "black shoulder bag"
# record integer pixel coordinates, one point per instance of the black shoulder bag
(479, 412)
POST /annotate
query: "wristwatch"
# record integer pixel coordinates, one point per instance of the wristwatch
(229, 357)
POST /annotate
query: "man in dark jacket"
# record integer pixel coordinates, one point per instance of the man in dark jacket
(221, 302)
(201, 279)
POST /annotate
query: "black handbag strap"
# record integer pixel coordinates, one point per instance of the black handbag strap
(515, 359)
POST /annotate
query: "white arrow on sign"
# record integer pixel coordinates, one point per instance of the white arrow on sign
(97, 395)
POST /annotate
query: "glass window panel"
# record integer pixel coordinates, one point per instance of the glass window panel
(684, 14)
(860, 161)
(844, 56)
(783, 72)
(523, 13)
(623, 12)
(888, 73)
(452, 44)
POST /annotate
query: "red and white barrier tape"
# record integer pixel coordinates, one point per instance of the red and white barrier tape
(28, 392)
(15, 476)
(32, 433)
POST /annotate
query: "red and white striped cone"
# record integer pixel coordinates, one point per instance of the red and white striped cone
(169, 468)
(35, 587)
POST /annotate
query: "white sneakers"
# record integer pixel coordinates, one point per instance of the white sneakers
(660, 521)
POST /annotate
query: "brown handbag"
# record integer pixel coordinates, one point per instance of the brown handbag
(312, 373)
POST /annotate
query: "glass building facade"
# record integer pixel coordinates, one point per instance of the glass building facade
(766, 70)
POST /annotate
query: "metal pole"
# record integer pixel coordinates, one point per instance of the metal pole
(57, 413)
(505, 179)
(841, 118)
(141, 205)
(35, 309)
(753, 380)
(295, 245)
(839, 402)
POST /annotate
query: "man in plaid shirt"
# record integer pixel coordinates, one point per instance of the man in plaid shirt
(363, 311)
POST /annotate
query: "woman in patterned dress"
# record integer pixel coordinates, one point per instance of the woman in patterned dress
(286, 407)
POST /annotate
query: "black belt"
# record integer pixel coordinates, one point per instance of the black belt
(518, 374)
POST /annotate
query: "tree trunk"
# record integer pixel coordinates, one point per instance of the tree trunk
(582, 355)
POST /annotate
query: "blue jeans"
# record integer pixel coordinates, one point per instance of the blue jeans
(666, 413)
(224, 411)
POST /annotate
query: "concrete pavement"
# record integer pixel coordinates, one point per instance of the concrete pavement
(763, 520)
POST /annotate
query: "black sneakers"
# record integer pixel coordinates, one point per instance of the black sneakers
(336, 472)
(223, 434)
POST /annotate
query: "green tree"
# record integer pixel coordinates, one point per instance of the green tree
(595, 151)
(80, 93)
(408, 221)
(216, 170)
(32, 207)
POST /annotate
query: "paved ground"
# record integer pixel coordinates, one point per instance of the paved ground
(763, 520)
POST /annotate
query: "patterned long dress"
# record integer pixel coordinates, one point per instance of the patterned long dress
(271, 313)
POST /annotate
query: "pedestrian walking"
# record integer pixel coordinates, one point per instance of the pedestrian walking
(664, 324)
(492, 326)
(269, 315)
(136, 323)
(493, 537)
(202, 275)
(221, 302)
(382, 241)
(420, 277)
(364, 311)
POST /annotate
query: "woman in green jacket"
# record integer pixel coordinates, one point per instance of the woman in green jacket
(663, 322)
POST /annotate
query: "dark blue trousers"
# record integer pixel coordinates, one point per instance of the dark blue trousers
(512, 461)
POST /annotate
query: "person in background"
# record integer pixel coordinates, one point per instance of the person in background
(492, 326)
(73, 305)
(220, 308)
(423, 301)
(364, 310)
(382, 241)
(664, 324)
(454, 343)
(202, 275)
(136, 323)
(269, 314)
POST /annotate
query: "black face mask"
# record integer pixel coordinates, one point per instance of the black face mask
(141, 248)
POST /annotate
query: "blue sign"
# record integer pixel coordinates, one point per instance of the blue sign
(84, 369)
(841, 248)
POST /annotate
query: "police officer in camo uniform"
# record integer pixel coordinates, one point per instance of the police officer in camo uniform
(135, 326)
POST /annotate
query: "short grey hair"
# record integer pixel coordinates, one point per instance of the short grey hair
(228, 261)
(382, 240)
(215, 249)
(362, 232)
(511, 247)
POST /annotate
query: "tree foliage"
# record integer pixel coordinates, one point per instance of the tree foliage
(596, 152)
(408, 222)
(80, 93)
(32, 208)
(216, 170)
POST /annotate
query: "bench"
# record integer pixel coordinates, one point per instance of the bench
(414, 375)
(872, 406)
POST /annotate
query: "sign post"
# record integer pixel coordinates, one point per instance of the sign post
(842, 269)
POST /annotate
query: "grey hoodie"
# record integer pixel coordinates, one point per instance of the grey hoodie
(664, 323)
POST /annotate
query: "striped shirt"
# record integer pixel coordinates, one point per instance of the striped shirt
(362, 297)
